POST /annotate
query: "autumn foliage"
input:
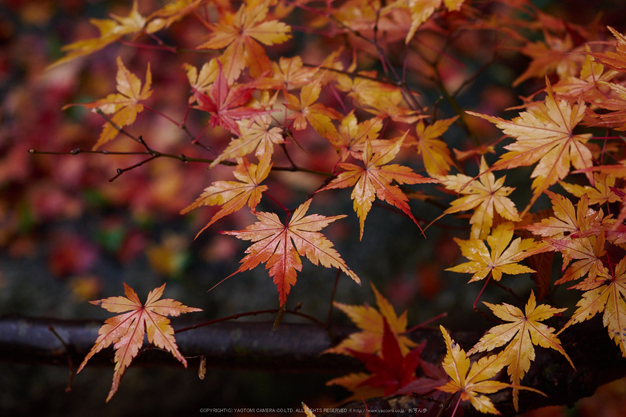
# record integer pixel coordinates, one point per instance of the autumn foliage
(363, 96)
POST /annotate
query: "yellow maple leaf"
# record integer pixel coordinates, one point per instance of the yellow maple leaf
(503, 258)
(567, 220)
(471, 380)
(306, 110)
(352, 135)
(125, 105)
(370, 321)
(485, 195)
(435, 152)
(201, 81)
(578, 233)
(381, 99)
(242, 35)
(111, 30)
(519, 335)
(605, 294)
(170, 13)
(374, 180)
(233, 195)
(544, 134)
(287, 74)
(421, 10)
(601, 192)
(256, 135)
(126, 331)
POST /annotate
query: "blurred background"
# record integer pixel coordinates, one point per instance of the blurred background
(68, 235)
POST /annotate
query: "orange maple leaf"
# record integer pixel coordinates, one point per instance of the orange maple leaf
(501, 259)
(577, 234)
(370, 321)
(233, 195)
(471, 381)
(111, 30)
(374, 180)
(306, 110)
(351, 136)
(281, 245)
(125, 105)
(422, 10)
(126, 331)
(170, 13)
(606, 294)
(255, 135)
(241, 33)
(381, 99)
(612, 59)
(545, 134)
(287, 74)
(553, 55)
(519, 335)
(485, 195)
(567, 220)
(226, 104)
(435, 152)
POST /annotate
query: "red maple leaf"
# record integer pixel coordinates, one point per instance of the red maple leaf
(392, 371)
(227, 103)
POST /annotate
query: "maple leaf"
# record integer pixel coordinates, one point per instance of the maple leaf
(171, 13)
(201, 81)
(592, 75)
(226, 104)
(370, 321)
(125, 105)
(576, 233)
(351, 136)
(502, 259)
(421, 10)
(381, 99)
(435, 152)
(544, 134)
(567, 220)
(555, 54)
(612, 59)
(306, 110)
(601, 192)
(374, 180)
(485, 195)
(233, 195)
(434, 377)
(605, 294)
(288, 74)
(519, 335)
(126, 331)
(353, 382)
(255, 135)
(588, 250)
(391, 370)
(240, 34)
(111, 30)
(613, 119)
(471, 381)
(280, 246)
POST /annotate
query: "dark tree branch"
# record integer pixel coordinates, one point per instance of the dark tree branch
(297, 348)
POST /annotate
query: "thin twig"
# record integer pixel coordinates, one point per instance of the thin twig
(70, 363)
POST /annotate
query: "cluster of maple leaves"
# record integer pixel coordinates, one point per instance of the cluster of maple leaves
(568, 132)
